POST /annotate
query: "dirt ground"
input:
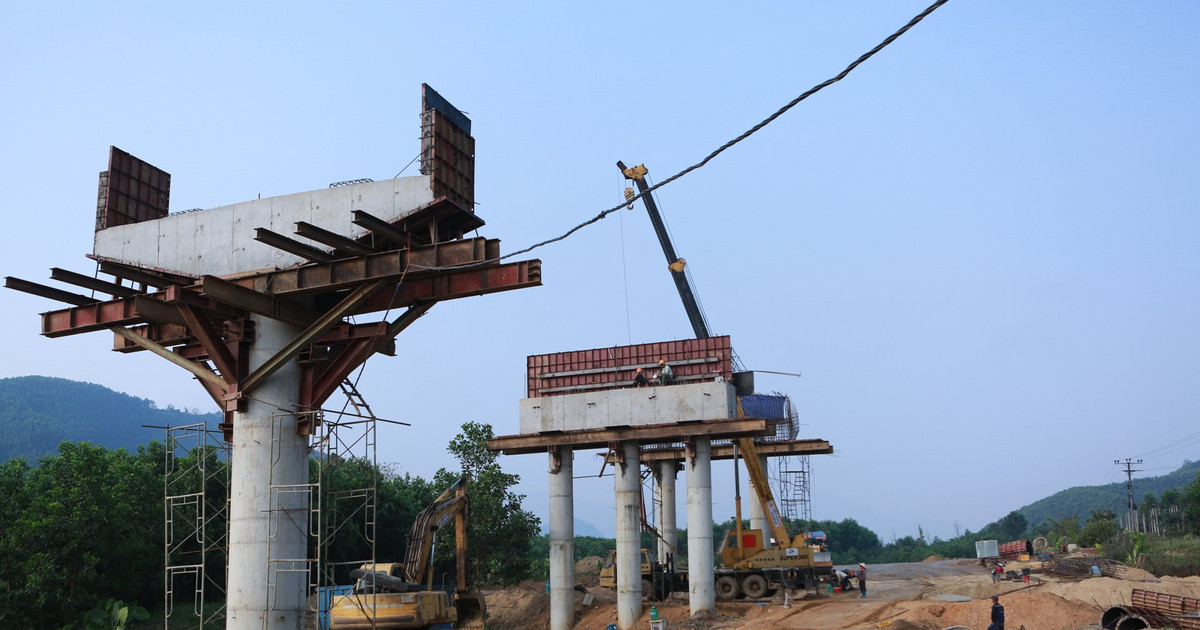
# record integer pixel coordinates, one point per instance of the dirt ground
(929, 595)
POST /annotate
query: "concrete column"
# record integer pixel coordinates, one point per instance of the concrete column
(268, 527)
(628, 483)
(758, 518)
(702, 595)
(562, 541)
(666, 525)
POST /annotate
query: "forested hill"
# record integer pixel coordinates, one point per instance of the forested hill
(39, 412)
(1082, 501)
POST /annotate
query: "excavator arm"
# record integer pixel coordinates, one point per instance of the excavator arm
(452, 503)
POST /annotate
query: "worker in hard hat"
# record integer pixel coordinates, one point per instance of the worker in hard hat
(665, 375)
(639, 378)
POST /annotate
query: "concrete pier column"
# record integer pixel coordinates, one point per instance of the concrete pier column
(628, 483)
(758, 518)
(702, 595)
(562, 539)
(666, 525)
(268, 509)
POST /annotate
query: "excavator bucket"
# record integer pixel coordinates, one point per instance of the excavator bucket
(471, 610)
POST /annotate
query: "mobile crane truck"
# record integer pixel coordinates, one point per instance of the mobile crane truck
(749, 566)
(391, 595)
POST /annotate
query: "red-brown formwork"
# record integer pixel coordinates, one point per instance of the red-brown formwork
(1010, 550)
(131, 191)
(691, 360)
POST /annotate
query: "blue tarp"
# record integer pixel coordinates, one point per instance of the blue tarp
(764, 406)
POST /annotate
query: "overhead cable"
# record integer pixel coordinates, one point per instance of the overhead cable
(766, 121)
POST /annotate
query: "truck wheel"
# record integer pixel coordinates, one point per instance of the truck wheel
(727, 588)
(647, 591)
(754, 586)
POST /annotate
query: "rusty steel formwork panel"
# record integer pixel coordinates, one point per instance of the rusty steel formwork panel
(1010, 550)
(692, 360)
(447, 149)
(131, 191)
(1164, 603)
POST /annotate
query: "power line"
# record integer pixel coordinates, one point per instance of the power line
(766, 121)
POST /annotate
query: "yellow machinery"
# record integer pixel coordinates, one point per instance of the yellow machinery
(658, 580)
(401, 595)
(752, 567)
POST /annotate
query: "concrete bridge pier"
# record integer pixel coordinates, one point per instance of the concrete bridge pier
(701, 591)
(666, 496)
(268, 516)
(562, 539)
(628, 484)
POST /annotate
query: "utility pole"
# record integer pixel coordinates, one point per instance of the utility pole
(1132, 521)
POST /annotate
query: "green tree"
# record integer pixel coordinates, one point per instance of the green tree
(500, 531)
(85, 533)
(1191, 506)
(1101, 526)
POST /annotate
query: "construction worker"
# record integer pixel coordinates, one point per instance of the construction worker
(997, 614)
(862, 579)
(639, 379)
(665, 375)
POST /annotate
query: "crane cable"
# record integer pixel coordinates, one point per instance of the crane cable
(766, 121)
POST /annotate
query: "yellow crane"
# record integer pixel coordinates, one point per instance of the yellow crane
(749, 565)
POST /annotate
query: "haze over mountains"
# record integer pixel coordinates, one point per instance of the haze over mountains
(39, 412)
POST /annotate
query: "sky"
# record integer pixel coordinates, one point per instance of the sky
(980, 249)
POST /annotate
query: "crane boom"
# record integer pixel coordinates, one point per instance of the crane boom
(758, 479)
(674, 263)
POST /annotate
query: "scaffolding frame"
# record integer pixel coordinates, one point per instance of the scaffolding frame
(195, 522)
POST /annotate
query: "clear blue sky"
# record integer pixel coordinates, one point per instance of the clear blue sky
(980, 249)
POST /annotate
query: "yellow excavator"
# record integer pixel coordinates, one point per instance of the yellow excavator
(401, 595)
(750, 566)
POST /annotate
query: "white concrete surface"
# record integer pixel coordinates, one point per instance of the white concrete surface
(667, 523)
(628, 407)
(627, 482)
(562, 543)
(256, 535)
(701, 587)
(220, 241)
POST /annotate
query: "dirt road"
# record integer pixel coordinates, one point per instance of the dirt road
(913, 596)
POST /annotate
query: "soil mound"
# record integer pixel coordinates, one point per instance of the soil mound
(589, 565)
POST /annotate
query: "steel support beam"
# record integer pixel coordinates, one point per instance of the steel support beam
(253, 301)
(672, 432)
(342, 244)
(452, 285)
(301, 340)
(725, 451)
(214, 346)
(88, 282)
(324, 385)
(200, 372)
(347, 273)
(291, 246)
(50, 293)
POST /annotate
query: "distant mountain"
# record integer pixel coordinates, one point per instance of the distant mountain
(1082, 501)
(39, 412)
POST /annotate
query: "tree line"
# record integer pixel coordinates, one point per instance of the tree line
(86, 526)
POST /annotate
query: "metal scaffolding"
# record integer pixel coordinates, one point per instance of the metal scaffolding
(346, 500)
(195, 525)
(795, 475)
